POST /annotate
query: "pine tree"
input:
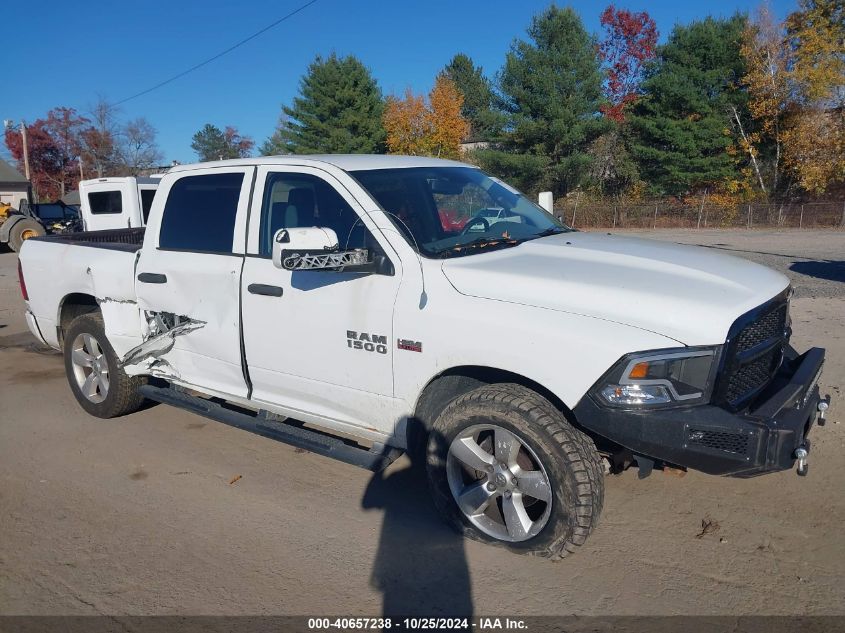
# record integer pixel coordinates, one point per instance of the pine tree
(552, 90)
(479, 99)
(682, 138)
(339, 110)
(212, 143)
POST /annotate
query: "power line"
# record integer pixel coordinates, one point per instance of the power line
(218, 55)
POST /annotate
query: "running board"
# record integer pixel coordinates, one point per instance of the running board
(263, 423)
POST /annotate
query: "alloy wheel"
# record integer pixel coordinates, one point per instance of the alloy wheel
(90, 368)
(498, 482)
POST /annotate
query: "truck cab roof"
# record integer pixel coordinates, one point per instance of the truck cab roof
(141, 180)
(346, 162)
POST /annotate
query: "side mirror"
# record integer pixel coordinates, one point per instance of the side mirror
(316, 248)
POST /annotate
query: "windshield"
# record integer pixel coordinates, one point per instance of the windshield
(456, 211)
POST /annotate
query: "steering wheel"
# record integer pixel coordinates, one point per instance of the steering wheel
(473, 221)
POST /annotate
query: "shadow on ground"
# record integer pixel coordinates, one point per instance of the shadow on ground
(420, 566)
(821, 269)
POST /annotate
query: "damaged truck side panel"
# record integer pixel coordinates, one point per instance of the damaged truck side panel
(204, 287)
(148, 357)
(89, 278)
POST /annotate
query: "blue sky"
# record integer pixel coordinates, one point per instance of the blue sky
(75, 51)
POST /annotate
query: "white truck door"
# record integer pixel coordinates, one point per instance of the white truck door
(319, 342)
(189, 274)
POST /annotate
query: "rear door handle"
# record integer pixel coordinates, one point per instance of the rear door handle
(264, 289)
(152, 278)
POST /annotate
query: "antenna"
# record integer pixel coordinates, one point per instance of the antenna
(423, 295)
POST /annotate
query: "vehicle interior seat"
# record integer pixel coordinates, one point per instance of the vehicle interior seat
(300, 208)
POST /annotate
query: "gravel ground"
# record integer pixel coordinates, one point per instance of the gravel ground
(813, 260)
(143, 515)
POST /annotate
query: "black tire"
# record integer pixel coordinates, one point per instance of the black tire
(20, 232)
(122, 395)
(572, 466)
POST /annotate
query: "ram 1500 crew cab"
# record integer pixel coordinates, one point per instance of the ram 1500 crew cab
(418, 304)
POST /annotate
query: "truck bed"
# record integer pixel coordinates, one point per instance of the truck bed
(128, 240)
(95, 266)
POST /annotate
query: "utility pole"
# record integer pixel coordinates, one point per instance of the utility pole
(25, 150)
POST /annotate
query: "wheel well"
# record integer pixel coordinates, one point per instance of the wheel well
(73, 306)
(445, 387)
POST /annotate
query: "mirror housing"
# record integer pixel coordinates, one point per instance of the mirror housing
(316, 248)
(446, 187)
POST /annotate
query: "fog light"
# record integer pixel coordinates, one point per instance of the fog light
(635, 394)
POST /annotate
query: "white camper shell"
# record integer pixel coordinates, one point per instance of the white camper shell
(116, 203)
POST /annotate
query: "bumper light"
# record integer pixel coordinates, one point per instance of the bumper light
(660, 378)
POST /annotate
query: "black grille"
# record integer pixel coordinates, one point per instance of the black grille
(719, 440)
(755, 353)
(748, 378)
(770, 325)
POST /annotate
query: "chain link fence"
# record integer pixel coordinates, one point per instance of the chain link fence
(665, 215)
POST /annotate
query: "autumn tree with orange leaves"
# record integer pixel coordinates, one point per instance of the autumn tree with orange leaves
(795, 80)
(427, 127)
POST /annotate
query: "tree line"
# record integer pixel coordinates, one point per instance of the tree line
(65, 147)
(738, 109)
(734, 109)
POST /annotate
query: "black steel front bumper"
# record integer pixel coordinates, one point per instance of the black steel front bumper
(763, 438)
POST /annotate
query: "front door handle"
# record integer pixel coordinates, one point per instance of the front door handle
(152, 278)
(264, 289)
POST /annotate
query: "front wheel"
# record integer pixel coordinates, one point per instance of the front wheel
(506, 467)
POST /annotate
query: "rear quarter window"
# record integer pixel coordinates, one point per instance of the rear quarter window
(199, 214)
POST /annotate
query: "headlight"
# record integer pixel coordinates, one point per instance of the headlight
(670, 377)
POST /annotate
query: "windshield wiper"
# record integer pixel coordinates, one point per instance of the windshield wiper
(478, 244)
(554, 230)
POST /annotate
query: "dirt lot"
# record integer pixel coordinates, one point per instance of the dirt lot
(138, 515)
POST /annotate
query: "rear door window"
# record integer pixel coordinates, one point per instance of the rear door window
(200, 212)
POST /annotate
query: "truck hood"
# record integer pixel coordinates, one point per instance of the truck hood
(687, 293)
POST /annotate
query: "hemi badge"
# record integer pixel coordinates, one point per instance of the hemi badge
(410, 346)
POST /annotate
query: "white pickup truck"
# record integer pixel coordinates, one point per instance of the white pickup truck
(523, 359)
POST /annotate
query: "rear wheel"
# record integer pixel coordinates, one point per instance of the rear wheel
(23, 230)
(99, 384)
(506, 467)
